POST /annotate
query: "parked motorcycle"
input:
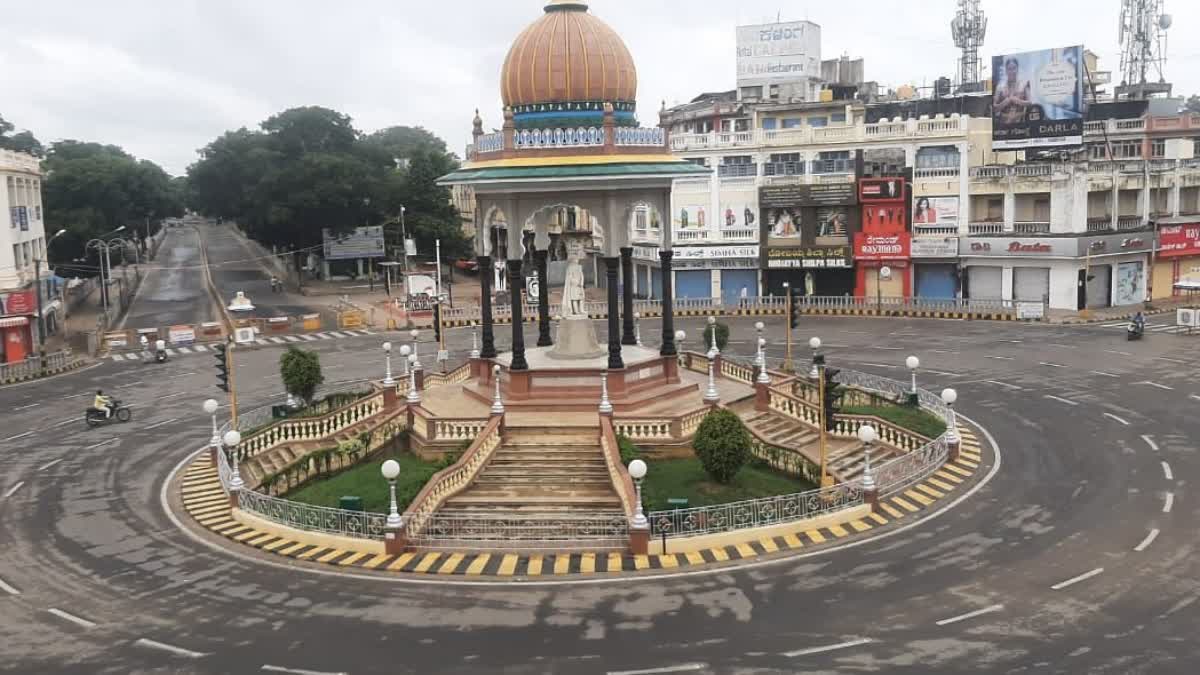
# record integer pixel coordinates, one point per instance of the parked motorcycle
(1135, 331)
(95, 417)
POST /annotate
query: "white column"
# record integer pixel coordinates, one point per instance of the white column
(715, 275)
(1010, 206)
(1173, 197)
(964, 186)
(1006, 283)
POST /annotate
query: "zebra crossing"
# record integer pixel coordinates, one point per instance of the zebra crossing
(1167, 328)
(266, 341)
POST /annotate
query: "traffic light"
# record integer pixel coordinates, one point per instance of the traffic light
(219, 353)
(794, 311)
(831, 403)
(437, 322)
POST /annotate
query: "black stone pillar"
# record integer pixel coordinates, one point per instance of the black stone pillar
(515, 283)
(627, 335)
(614, 325)
(488, 350)
(668, 305)
(540, 258)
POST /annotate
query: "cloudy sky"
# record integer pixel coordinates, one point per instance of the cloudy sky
(164, 77)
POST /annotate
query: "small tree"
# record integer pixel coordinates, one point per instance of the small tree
(301, 373)
(723, 445)
(722, 336)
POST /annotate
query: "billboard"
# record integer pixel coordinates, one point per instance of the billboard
(935, 211)
(1178, 240)
(869, 246)
(363, 242)
(1037, 99)
(776, 52)
(822, 215)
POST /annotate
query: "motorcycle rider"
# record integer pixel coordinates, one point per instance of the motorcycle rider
(104, 403)
(1139, 322)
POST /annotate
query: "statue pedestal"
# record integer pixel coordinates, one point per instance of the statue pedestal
(576, 340)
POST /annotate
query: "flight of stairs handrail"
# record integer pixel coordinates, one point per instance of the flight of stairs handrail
(621, 481)
(454, 479)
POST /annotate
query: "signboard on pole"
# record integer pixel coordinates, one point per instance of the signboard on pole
(362, 242)
(778, 51)
(1038, 99)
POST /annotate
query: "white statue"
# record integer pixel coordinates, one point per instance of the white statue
(573, 296)
(501, 279)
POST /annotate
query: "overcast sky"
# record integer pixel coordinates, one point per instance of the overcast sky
(164, 77)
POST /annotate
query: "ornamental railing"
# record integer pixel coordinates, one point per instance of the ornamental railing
(558, 138)
(752, 513)
(490, 143)
(642, 429)
(897, 474)
(452, 480)
(36, 366)
(535, 531)
(342, 522)
(617, 472)
(310, 428)
(642, 136)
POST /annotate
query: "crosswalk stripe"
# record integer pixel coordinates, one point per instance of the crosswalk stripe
(276, 340)
(338, 335)
(838, 531)
(308, 338)
(291, 338)
(132, 357)
(261, 341)
(117, 357)
(958, 470)
(171, 352)
(450, 564)
(183, 350)
(946, 475)
(427, 562)
(768, 544)
(324, 336)
(200, 348)
(939, 484)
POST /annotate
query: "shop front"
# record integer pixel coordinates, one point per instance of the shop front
(1116, 267)
(728, 273)
(1177, 268)
(935, 267)
(874, 253)
(807, 234)
(18, 311)
(820, 271)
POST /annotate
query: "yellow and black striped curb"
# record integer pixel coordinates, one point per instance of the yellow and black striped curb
(49, 372)
(206, 502)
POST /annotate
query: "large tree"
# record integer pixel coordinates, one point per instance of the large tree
(23, 141)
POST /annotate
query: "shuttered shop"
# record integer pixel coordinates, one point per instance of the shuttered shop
(1031, 284)
(985, 282)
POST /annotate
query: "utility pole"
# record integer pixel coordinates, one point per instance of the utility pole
(787, 366)
(443, 356)
(37, 280)
(821, 419)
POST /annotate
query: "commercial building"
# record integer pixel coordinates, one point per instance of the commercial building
(22, 241)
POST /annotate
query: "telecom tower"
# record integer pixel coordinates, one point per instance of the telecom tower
(1143, 49)
(969, 28)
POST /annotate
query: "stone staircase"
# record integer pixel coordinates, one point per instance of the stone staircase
(845, 459)
(544, 488)
(272, 461)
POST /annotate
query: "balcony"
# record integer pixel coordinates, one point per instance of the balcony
(993, 172)
(19, 161)
(739, 235)
(940, 173)
(783, 169)
(1130, 223)
(1099, 224)
(1028, 170)
(935, 230)
(737, 170)
(1102, 127)
(820, 166)
(691, 236)
(647, 236)
(985, 228)
(1032, 227)
(880, 131)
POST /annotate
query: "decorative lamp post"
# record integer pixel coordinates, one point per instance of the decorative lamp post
(637, 328)
(387, 355)
(474, 341)
(416, 361)
(606, 406)
(711, 395)
(232, 439)
(760, 359)
(497, 403)
(949, 396)
(210, 407)
(406, 358)
(555, 320)
(637, 471)
(815, 345)
(913, 363)
(867, 435)
(414, 395)
(763, 377)
(713, 352)
(391, 470)
(680, 336)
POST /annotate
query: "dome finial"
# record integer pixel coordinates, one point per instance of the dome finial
(553, 5)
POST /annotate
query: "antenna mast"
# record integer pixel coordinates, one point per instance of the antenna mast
(969, 27)
(1143, 37)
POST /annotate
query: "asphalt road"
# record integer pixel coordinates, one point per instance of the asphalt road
(172, 291)
(236, 268)
(1078, 556)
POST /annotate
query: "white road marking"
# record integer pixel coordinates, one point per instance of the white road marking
(1147, 541)
(66, 422)
(27, 407)
(13, 438)
(1051, 365)
(77, 395)
(291, 338)
(78, 621)
(1074, 580)
(159, 424)
(1194, 397)
(175, 395)
(8, 589)
(171, 352)
(298, 671)
(1000, 358)
(1160, 386)
(1103, 374)
(1167, 358)
(183, 350)
(276, 340)
(13, 489)
(879, 365)
(178, 651)
(47, 465)
(324, 336)
(1015, 342)
(96, 445)
(261, 342)
(941, 372)
(117, 357)
(1167, 471)
(1059, 344)
(338, 335)
(1061, 400)
(190, 372)
(1004, 384)
(970, 615)
(1114, 417)
(308, 338)
(1117, 351)
(1150, 442)
(1168, 502)
(830, 648)
(890, 349)
(200, 348)
(942, 351)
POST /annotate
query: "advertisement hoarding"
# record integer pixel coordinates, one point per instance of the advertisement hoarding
(868, 246)
(939, 211)
(934, 247)
(881, 190)
(1178, 240)
(809, 257)
(20, 302)
(363, 242)
(1037, 99)
(778, 51)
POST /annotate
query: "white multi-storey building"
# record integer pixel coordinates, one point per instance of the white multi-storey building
(22, 241)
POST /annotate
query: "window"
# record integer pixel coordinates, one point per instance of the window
(1158, 148)
(818, 121)
(769, 123)
(17, 256)
(737, 165)
(1127, 150)
(995, 209)
(1196, 147)
(837, 117)
(751, 92)
(1097, 151)
(640, 218)
(785, 164)
(792, 122)
(833, 162)
(937, 157)
(741, 124)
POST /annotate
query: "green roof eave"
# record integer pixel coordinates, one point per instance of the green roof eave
(630, 170)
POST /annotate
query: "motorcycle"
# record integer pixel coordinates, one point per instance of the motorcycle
(160, 356)
(1134, 331)
(94, 417)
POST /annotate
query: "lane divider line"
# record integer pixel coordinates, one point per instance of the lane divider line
(1167, 471)
(1050, 365)
(1114, 417)
(159, 424)
(4, 586)
(78, 621)
(830, 648)
(101, 443)
(162, 646)
(969, 615)
(1061, 400)
(299, 671)
(1147, 541)
(47, 465)
(1155, 384)
(1168, 502)
(13, 489)
(1104, 374)
(1004, 384)
(1074, 580)
(18, 436)
(682, 668)
(1150, 442)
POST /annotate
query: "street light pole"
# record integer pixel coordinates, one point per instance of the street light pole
(787, 365)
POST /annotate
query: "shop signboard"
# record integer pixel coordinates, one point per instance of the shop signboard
(1178, 240)
(1113, 244)
(647, 253)
(869, 246)
(1037, 99)
(181, 335)
(872, 190)
(775, 52)
(716, 252)
(821, 215)
(1031, 310)
(362, 242)
(20, 302)
(1024, 247)
(934, 247)
(808, 257)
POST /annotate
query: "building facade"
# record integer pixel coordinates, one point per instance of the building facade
(22, 241)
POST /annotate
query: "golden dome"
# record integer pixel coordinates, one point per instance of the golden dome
(568, 55)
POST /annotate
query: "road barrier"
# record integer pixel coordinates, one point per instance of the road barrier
(37, 366)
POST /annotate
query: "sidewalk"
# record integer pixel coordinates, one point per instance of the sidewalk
(1124, 312)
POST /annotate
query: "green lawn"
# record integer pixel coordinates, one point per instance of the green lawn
(673, 478)
(913, 419)
(366, 481)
